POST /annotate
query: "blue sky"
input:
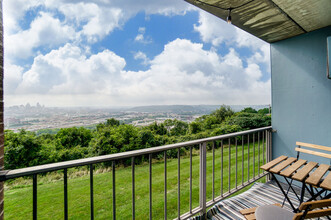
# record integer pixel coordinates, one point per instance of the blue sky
(128, 53)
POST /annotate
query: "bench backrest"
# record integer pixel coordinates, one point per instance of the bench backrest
(313, 152)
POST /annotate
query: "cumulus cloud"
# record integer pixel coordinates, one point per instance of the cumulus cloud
(95, 21)
(90, 20)
(45, 30)
(13, 77)
(216, 31)
(13, 12)
(68, 70)
(141, 56)
(183, 73)
(141, 36)
(69, 74)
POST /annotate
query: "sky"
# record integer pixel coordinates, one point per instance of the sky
(108, 53)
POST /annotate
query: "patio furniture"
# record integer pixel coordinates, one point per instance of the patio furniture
(275, 212)
(309, 173)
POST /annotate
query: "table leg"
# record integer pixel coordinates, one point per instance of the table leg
(287, 198)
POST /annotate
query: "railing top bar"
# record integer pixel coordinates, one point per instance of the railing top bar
(10, 174)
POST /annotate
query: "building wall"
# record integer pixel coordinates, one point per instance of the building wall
(301, 92)
(1, 115)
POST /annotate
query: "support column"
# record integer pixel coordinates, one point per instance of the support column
(1, 116)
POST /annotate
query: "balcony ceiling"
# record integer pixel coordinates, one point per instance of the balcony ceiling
(272, 20)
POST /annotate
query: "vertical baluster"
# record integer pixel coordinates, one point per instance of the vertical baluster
(114, 190)
(269, 145)
(268, 151)
(242, 159)
(65, 185)
(190, 179)
(203, 178)
(258, 153)
(247, 157)
(229, 177)
(253, 155)
(178, 183)
(236, 162)
(34, 196)
(91, 192)
(263, 141)
(165, 184)
(133, 189)
(150, 186)
(213, 182)
(222, 167)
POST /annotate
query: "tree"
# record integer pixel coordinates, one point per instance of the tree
(72, 137)
(263, 111)
(156, 128)
(179, 128)
(109, 140)
(249, 110)
(194, 127)
(22, 149)
(222, 113)
(112, 122)
(250, 120)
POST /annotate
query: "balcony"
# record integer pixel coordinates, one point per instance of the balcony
(206, 171)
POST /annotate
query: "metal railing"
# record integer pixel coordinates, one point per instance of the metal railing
(238, 142)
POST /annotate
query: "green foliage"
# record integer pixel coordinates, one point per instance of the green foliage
(223, 113)
(72, 137)
(22, 149)
(263, 111)
(249, 110)
(159, 129)
(112, 122)
(25, 149)
(250, 120)
(194, 127)
(225, 129)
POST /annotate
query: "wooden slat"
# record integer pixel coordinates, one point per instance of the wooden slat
(315, 204)
(272, 163)
(315, 177)
(302, 173)
(326, 184)
(291, 169)
(315, 146)
(313, 152)
(282, 165)
(250, 217)
(248, 211)
(314, 214)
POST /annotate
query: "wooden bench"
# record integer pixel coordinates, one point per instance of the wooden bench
(302, 170)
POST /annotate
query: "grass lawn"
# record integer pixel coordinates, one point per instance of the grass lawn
(18, 198)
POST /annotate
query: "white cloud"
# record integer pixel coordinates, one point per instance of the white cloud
(214, 30)
(13, 76)
(45, 31)
(13, 12)
(141, 56)
(84, 19)
(68, 70)
(184, 73)
(141, 36)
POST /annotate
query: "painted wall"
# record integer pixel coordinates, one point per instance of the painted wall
(301, 93)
